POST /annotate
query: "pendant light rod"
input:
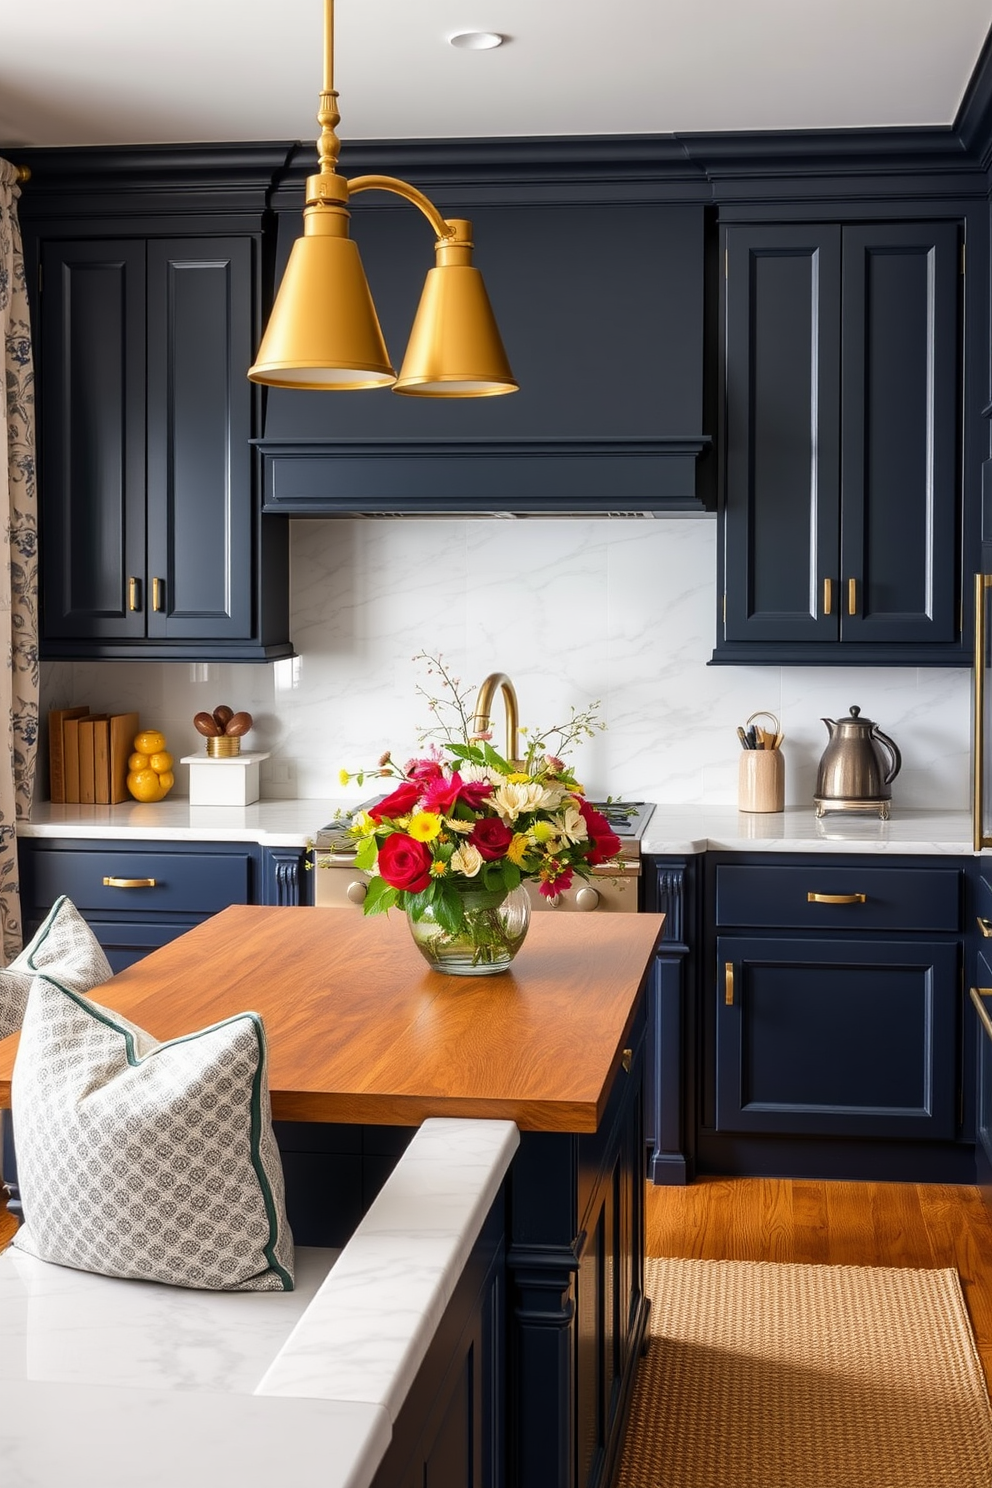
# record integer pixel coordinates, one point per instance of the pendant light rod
(328, 146)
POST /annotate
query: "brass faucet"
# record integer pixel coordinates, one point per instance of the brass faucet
(483, 712)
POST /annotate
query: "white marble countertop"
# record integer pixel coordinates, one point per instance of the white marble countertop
(112, 1384)
(677, 830)
(672, 830)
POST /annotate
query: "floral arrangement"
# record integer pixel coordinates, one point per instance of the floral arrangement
(462, 819)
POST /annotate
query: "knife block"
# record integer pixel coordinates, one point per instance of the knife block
(761, 780)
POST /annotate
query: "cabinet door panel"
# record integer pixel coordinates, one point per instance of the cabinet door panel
(839, 1037)
(900, 476)
(199, 470)
(782, 388)
(93, 446)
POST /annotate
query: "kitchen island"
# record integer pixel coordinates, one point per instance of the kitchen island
(360, 1032)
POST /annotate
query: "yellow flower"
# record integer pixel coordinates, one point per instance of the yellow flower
(543, 831)
(519, 777)
(517, 850)
(424, 826)
(438, 868)
(343, 777)
(362, 824)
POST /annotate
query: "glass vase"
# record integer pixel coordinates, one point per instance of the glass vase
(494, 928)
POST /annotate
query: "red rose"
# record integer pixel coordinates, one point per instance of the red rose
(605, 842)
(404, 863)
(491, 836)
(402, 800)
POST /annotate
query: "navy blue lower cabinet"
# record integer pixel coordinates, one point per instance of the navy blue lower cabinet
(670, 889)
(135, 896)
(837, 1037)
(981, 997)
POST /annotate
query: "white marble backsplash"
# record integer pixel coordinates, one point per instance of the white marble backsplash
(620, 611)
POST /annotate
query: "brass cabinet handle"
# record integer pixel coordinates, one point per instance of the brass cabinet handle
(985, 926)
(129, 883)
(728, 983)
(852, 596)
(812, 898)
(627, 1059)
(157, 588)
(828, 596)
(977, 993)
(134, 594)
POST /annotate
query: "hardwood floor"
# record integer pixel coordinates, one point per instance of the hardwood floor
(849, 1224)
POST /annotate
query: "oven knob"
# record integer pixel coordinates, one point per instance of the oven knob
(357, 891)
(587, 898)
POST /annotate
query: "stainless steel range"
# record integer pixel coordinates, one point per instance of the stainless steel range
(339, 884)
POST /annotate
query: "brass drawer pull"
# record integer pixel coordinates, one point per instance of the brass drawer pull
(812, 898)
(157, 591)
(828, 596)
(129, 883)
(728, 983)
(977, 994)
(627, 1059)
(134, 594)
(852, 596)
(985, 926)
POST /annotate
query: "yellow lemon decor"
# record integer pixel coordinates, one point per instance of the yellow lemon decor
(150, 776)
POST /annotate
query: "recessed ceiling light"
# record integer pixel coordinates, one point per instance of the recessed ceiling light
(476, 41)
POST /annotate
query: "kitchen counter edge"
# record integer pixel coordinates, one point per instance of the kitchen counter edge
(673, 831)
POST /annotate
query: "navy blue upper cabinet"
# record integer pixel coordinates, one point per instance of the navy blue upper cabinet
(841, 509)
(152, 539)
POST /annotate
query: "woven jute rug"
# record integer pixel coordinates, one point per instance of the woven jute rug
(761, 1375)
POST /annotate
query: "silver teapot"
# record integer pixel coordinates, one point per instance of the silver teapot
(857, 768)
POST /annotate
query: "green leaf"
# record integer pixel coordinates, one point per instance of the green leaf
(380, 897)
(448, 911)
(511, 875)
(367, 853)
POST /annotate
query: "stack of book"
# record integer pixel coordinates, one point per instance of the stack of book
(88, 755)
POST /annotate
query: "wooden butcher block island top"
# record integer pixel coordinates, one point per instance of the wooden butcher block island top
(359, 1030)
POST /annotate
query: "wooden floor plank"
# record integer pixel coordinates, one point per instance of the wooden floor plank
(853, 1224)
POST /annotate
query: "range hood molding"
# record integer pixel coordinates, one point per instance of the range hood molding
(575, 477)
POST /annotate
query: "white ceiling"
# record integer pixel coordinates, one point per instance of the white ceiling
(93, 72)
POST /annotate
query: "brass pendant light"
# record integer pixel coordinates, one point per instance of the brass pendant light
(323, 332)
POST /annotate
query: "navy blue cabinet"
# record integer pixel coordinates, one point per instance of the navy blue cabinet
(833, 1019)
(137, 896)
(841, 507)
(670, 889)
(152, 542)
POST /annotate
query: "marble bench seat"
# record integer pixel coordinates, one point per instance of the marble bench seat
(134, 1385)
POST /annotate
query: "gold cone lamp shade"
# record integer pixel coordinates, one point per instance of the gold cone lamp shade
(323, 332)
(455, 350)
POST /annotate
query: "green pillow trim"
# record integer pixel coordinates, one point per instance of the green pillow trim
(136, 1060)
(42, 933)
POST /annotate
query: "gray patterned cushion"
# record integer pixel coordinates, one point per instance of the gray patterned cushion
(144, 1159)
(63, 947)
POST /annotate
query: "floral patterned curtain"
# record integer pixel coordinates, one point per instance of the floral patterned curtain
(18, 560)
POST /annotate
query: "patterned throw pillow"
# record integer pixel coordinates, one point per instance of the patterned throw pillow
(149, 1160)
(63, 947)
